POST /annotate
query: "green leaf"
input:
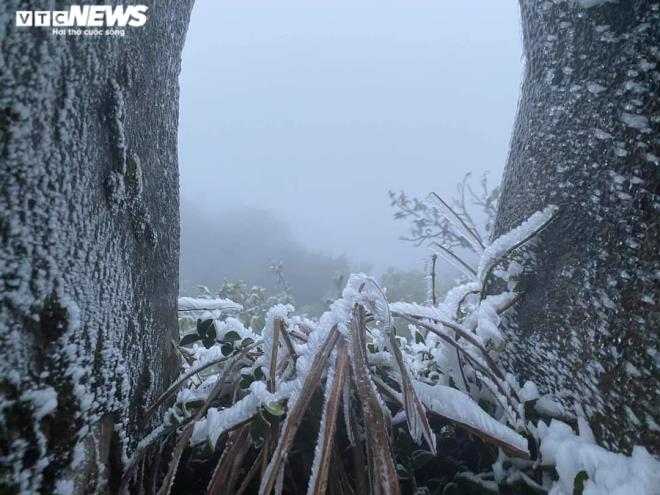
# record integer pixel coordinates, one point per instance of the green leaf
(232, 336)
(227, 349)
(258, 374)
(206, 328)
(421, 458)
(247, 341)
(419, 338)
(434, 485)
(579, 481)
(189, 339)
(208, 342)
(259, 427)
(402, 471)
(274, 408)
(245, 382)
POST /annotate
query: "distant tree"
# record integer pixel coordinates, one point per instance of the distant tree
(428, 224)
(586, 140)
(89, 243)
(243, 244)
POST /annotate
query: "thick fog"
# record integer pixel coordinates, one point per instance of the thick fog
(297, 117)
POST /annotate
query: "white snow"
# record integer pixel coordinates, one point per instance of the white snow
(217, 421)
(529, 391)
(504, 243)
(634, 120)
(44, 401)
(595, 88)
(457, 406)
(65, 487)
(601, 134)
(587, 4)
(200, 304)
(547, 406)
(609, 473)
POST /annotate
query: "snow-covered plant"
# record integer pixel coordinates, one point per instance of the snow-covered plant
(254, 300)
(349, 404)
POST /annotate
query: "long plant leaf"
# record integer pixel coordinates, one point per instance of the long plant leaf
(418, 423)
(230, 460)
(323, 452)
(374, 419)
(295, 414)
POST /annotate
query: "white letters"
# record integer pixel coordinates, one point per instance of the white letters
(24, 18)
(139, 15)
(42, 18)
(85, 16)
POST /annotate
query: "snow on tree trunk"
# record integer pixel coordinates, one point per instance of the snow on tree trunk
(586, 139)
(89, 237)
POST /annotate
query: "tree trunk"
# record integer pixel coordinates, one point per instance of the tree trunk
(586, 139)
(90, 242)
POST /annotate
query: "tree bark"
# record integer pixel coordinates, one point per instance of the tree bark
(586, 139)
(89, 237)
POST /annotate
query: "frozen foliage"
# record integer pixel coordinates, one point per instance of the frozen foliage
(504, 244)
(457, 406)
(446, 368)
(388, 383)
(198, 304)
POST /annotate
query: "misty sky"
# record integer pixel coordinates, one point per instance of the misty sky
(312, 110)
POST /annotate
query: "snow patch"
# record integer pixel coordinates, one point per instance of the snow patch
(608, 473)
(44, 401)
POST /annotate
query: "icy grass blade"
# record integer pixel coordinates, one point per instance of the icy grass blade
(275, 318)
(183, 379)
(454, 260)
(346, 406)
(247, 480)
(272, 374)
(377, 301)
(461, 227)
(295, 414)
(509, 242)
(202, 304)
(185, 437)
(379, 449)
(490, 369)
(224, 475)
(414, 319)
(429, 269)
(419, 311)
(459, 408)
(323, 451)
(418, 423)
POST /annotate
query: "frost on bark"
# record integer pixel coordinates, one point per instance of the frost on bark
(89, 240)
(586, 139)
